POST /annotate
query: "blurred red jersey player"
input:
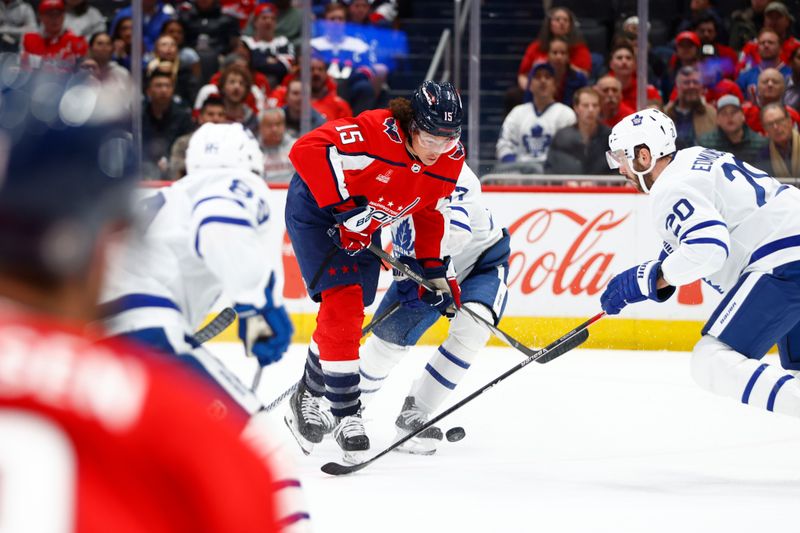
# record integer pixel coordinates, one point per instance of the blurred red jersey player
(96, 437)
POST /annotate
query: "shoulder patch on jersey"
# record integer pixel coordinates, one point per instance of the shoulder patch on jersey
(458, 152)
(391, 130)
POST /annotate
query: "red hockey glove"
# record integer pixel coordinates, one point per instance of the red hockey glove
(352, 230)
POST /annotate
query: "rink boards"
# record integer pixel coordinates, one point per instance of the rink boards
(566, 244)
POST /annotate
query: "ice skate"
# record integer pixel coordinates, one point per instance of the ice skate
(410, 419)
(307, 419)
(351, 438)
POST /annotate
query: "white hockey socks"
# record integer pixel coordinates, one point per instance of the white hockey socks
(721, 370)
(452, 359)
(378, 358)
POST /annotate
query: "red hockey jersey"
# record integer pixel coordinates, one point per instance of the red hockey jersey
(99, 438)
(367, 156)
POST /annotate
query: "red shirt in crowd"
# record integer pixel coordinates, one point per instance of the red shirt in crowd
(60, 53)
(579, 57)
(623, 111)
(749, 57)
(752, 116)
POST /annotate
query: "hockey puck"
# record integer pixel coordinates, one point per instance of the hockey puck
(455, 434)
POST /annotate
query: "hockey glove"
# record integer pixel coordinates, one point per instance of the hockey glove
(266, 332)
(447, 296)
(407, 289)
(636, 284)
(352, 230)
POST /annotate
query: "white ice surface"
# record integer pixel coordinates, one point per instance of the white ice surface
(595, 441)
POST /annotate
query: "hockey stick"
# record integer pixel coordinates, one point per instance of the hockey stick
(217, 325)
(508, 339)
(369, 327)
(567, 342)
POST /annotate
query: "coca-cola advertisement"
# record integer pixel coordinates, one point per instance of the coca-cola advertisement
(564, 249)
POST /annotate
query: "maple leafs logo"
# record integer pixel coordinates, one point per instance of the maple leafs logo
(404, 237)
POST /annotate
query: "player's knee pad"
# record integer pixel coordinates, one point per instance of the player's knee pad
(705, 358)
(466, 337)
(378, 358)
(338, 333)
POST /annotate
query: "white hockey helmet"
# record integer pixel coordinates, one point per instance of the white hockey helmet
(232, 146)
(649, 127)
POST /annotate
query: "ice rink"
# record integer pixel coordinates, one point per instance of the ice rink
(595, 441)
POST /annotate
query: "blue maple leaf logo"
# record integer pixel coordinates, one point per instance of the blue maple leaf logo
(403, 240)
(537, 131)
(637, 120)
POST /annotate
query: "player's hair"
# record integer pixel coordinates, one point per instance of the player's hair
(402, 111)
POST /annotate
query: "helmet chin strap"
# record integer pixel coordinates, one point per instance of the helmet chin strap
(640, 176)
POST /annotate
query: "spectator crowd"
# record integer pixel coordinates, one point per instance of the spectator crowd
(730, 79)
(210, 61)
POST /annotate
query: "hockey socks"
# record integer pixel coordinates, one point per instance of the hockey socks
(721, 370)
(445, 370)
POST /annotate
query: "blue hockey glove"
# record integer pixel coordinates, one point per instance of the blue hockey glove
(267, 331)
(447, 296)
(634, 285)
(407, 289)
(352, 230)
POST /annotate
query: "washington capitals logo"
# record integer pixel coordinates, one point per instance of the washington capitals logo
(458, 153)
(637, 120)
(391, 130)
(415, 168)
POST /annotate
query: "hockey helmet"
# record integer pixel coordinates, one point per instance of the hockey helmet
(231, 146)
(649, 127)
(437, 109)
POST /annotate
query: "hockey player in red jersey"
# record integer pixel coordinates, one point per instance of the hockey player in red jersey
(355, 176)
(96, 437)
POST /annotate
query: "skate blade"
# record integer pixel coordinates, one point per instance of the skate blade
(354, 457)
(415, 446)
(305, 445)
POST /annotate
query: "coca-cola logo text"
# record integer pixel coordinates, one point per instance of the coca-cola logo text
(572, 262)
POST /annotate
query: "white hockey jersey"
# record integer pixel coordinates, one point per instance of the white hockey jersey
(470, 229)
(527, 133)
(206, 236)
(720, 217)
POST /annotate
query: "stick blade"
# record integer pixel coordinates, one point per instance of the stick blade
(336, 469)
(217, 325)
